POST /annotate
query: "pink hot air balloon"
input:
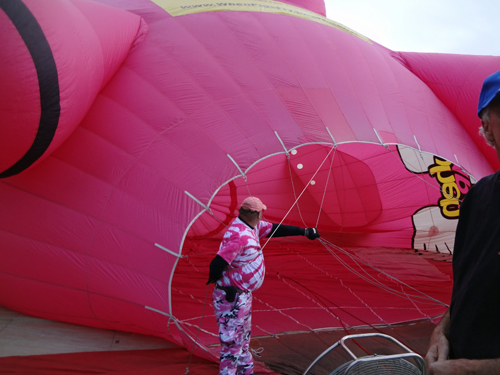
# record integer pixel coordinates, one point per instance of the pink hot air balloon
(127, 144)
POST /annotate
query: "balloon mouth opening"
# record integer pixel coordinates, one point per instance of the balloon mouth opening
(315, 184)
(325, 277)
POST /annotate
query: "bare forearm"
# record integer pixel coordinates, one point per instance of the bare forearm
(466, 367)
(439, 346)
(486, 366)
(444, 325)
(436, 359)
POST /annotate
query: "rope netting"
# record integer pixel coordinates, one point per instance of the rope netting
(316, 286)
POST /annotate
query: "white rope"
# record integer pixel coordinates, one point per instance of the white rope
(169, 251)
(380, 138)
(205, 207)
(282, 144)
(282, 313)
(297, 199)
(370, 279)
(257, 352)
(238, 167)
(324, 191)
(326, 186)
(195, 341)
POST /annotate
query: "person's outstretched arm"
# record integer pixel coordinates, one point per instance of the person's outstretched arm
(290, 230)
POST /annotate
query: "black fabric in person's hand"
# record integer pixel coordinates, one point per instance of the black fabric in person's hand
(230, 293)
(312, 233)
(217, 266)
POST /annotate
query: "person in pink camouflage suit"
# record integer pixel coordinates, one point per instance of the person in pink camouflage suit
(237, 270)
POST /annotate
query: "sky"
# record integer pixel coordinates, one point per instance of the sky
(470, 27)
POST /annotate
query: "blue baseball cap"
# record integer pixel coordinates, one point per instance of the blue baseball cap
(490, 89)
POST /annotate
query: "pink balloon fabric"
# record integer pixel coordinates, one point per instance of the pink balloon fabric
(51, 77)
(127, 144)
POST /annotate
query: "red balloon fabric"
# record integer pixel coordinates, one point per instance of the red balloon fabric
(127, 144)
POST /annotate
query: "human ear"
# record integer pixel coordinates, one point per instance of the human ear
(487, 132)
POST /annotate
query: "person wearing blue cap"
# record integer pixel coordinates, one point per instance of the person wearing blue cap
(488, 109)
(467, 340)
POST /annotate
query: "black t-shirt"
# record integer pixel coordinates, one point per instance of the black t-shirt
(475, 303)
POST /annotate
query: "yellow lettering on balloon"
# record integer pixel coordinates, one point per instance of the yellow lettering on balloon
(451, 195)
(440, 167)
(450, 207)
(450, 190)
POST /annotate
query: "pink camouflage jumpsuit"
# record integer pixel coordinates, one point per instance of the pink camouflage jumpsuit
(240, 248)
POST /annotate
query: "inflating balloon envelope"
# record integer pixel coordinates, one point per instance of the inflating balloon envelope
(128, 143)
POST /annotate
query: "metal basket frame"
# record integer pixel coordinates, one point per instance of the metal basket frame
(409, 353)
